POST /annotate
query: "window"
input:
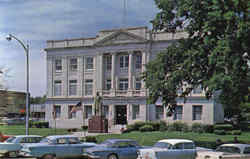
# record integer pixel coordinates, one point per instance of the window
(88, 111)
(178, 112)
(73, 87)
(58, 88)
(72, 115)
(73, 64)
(89, 63)
(108, 84)
(189, 146)
(159, 111)
(123, 85)
(138, 84)
(138, 61)
(124, 62)
(197, 112)
(247, 150)
(58, 65)
(108, 62)
(136, 111)
(57, 111)
(89, 87)
(106, 111)
(178, 146)
(163, 145)
(197, 90)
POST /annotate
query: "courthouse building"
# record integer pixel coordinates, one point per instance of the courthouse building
(111, 63)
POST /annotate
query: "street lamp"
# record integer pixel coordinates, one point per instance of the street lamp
(26, 49)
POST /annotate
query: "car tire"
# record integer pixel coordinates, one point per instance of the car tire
(112, 156)
(49, 156)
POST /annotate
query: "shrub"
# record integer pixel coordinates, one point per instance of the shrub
(91, 139)
(177, 126)
(146, 128)
(185, 128)
(40, 124)
(236, 132)
(163, 126)
(197, 127)
(220, 132)
(84, 127)
(136, 126)
(226, 127)
(208, 128)
(155, 125)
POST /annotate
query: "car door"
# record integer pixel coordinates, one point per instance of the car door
(61, 148)
(125, 151)
(75, 147)
(189, 150)
(178, 152)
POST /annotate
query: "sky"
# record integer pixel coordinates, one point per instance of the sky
(35, 21)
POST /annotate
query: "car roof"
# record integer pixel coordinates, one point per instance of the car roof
(175, 141)
(18, 136)
(117, 140)
(237, 145)
(60, 136)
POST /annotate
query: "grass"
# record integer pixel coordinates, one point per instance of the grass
(20, 130)
(204, 139)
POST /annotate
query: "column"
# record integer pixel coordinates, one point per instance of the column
(80, 76)
(130, 73)
(65, 76)
(113, 80)
(144, 59)
(99, 74)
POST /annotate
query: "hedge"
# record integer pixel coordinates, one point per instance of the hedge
(146, 128)
(226, 127)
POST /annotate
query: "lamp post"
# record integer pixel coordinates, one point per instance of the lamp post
(26, 49)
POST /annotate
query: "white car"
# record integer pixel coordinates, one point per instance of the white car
(169, 149)
(11, 147)
(229, 150)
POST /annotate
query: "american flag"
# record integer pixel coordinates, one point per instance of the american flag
(77, 107)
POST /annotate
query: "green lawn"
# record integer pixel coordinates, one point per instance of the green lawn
(20, 130)
(204, 139)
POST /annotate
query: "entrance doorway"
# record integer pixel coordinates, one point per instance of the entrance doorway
(121, 114)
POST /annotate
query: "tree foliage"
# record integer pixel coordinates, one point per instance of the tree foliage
(38, 100)
(213, 56)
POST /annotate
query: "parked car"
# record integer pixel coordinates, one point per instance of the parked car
(241, 150)
(63, 146)
(234, 148)
(169, 149)
(12, 145)
(114, 149)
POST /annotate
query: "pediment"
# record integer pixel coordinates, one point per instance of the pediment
(120, 37)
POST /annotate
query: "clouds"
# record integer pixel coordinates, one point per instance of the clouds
(41, 20)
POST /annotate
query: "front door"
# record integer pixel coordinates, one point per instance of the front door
(121, 114)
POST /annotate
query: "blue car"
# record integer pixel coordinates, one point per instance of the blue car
(114, 149)
(55, 147)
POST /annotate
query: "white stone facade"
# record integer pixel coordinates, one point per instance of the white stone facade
(111, 63)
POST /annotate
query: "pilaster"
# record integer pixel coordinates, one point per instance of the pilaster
(130, 73)
(113, 79)
(65, 76)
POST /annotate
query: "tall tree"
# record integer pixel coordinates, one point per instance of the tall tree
(213, 56)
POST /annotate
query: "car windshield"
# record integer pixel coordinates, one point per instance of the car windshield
(10, 140)
(230, 149)
(163, 145)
